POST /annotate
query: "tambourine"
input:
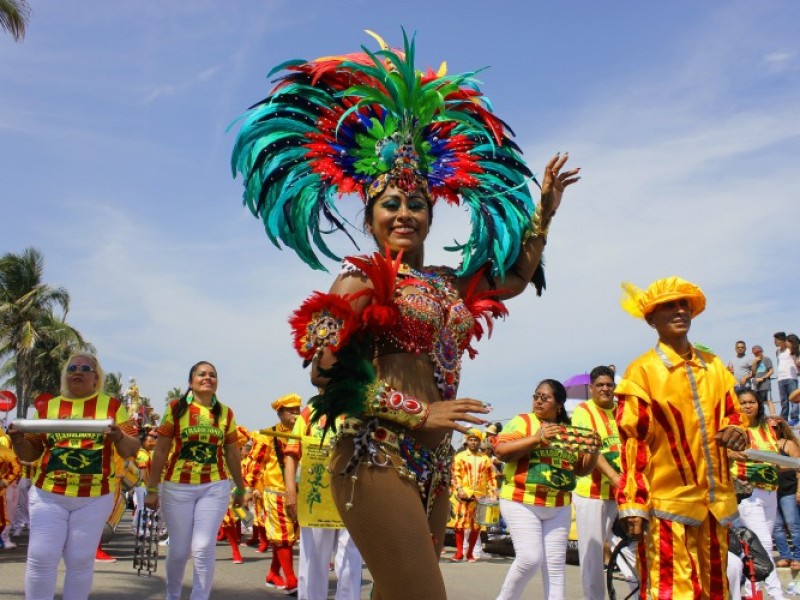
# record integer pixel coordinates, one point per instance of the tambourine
(63, 425)
(576, 439)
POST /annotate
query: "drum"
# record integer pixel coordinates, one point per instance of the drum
(130, 476)
(488, 512)
(113, 520)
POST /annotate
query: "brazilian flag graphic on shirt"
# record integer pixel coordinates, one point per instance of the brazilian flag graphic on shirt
(553, 477)
(81, 461)
(199, 452)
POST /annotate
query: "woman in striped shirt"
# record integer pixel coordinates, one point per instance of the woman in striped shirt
(75, 482)
(758, 510)
(201, 433)
(535, 499)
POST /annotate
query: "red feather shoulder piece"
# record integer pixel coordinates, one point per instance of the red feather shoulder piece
(322, 320)
(483, 305)
(382, 270)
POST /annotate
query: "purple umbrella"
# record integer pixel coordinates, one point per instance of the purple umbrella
(578, 386)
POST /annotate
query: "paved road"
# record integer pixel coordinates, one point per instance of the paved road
(118, 581)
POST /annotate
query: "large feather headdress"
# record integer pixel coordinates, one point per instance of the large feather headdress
(354, 124)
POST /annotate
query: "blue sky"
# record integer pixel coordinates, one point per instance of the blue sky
(685, 117)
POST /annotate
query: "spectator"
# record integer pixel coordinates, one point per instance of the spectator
(762, 377)
(742, 367)
(786, 354)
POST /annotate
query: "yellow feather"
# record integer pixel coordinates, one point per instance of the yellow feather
(442, 69)
(630, 300)
(379, 39)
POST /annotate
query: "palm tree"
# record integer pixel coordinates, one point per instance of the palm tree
(14, 16)
(25, 302)
(113, 385)
(56, 342)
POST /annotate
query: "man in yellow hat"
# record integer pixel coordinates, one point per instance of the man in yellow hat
(677, 415)
(473, 478)
(264, 475)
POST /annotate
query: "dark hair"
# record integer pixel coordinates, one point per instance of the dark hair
(780, 335)
(182, 405)
(560, 394)
(740, 342)
(760, 415)
(794, 343)
(600, 371)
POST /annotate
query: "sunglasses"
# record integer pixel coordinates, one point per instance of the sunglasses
(81, 368)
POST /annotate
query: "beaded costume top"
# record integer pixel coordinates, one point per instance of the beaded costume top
(432, 319)
(408, 311)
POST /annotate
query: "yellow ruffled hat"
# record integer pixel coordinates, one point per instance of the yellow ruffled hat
(287, 401)
(639, 303)
(473, 432)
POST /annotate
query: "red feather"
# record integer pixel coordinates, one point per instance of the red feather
(322, 320)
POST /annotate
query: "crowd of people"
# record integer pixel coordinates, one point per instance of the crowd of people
(663, 450)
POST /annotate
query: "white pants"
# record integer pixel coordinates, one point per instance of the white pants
(316, 547)
(62, 526)
(193, 514)
(593, 518)
(138, 504)
(758, 514)
(735, 568)
(539, 534)
(22, 515)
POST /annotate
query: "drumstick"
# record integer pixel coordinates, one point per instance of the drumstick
(279, 434)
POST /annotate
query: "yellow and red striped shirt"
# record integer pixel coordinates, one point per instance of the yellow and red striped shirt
(758, 474)
(265, 471)
(591, 416)
(543, 478)
(79, 464)
(198, 444)
(143, 460)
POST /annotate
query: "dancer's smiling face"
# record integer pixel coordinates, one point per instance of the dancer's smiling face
(400, 220)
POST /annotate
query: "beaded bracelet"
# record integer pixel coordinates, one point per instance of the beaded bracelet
(151, 489)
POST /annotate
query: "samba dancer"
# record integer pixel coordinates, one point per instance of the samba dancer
(75, 480)
(386, 341)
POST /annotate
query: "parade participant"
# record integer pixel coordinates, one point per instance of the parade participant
(196, 488)
(22, 518)
(757, 511)
(788, 513)
(75, 480)
(473, 478)
(317, 544)
(266, 474)
(231, 528)
(535, 499)
(595, 493)
(677, 413)
(386, 342)
(143, 460)
(254, 460)
(10, 470)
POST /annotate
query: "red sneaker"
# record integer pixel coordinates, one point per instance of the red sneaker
(102, 557)
(457, 557)
(291, 587)
(275, 581)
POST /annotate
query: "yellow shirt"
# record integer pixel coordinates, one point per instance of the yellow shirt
(603, 421)
(79, 464)
(670, 410)
(474, 474)
(758, 474)
(545, 477)
(199, 440)
(266, 462)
